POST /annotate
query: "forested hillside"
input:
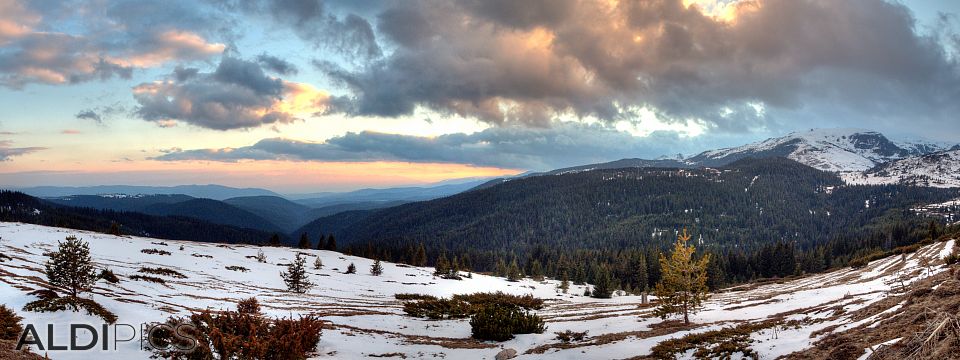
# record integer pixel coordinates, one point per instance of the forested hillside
(750, 208)
(19, 207)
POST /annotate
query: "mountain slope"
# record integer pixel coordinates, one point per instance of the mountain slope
(285, 214)
(751, 202)
(213, 211)
(334, 223)
(940, 169)
(406, 194)
(19, 207)
(118, 202)
(825, 149)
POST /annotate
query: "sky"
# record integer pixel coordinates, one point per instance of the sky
(314, 95)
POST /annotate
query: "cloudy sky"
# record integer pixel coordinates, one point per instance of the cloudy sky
(314, 95)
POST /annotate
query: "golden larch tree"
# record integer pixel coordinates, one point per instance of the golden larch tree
(683, 286)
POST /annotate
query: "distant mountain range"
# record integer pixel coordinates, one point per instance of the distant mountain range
(858, 156)
(264, 210)
(215, 192)
(20, 207)
(397, 194)
(854, 153)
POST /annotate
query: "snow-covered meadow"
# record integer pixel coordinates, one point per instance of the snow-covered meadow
(366, 321)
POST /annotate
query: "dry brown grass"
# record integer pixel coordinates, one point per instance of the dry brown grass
(927, 325)
(658, 329)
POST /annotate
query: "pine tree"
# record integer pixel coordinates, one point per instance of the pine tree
(261, 258)
(296, 276)
(501, 268)
(536, 270)
(351, 269)
(331, 243)
(934, 230)
(304, 242)
(465, 264)
(513, 271)
(454, 266)
(442, 267)
(421, 257)
(642, 279)
(603, 284)
(10, 326)
(318, 264)
(114, 229)
(321, 244)
(715, 274)
(683, 286)
(275, 240)
(564, 283)
(376, 269)
(70, 267)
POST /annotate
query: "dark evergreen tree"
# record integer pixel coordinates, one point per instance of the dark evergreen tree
(421, 257)
(317, 264)
(70, 267)
(934, 230)
(351, 269)
(296, 276)
(114, 229)
(331, 243)
(304, 242)
(442, 266)
(564, 283)
(536, 270)
(715, 273)
(454, 265)
(513, 271)
(642, 285)
(376, 269)
(602, 284)
(501, 268)
(274, 240)
(465, 263)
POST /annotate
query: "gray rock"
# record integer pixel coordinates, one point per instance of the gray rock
(506, 354)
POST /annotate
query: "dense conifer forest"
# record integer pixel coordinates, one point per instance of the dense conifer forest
(759, 217)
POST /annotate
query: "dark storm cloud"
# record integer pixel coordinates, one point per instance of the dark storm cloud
(247, 75)
(508, 147)
(530, 61)
(277, 65)
(238, 94)
(181, 73)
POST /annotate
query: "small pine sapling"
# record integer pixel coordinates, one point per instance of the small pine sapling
(376, 269)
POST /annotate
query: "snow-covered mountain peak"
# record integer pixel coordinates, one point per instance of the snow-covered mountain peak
(839, 150)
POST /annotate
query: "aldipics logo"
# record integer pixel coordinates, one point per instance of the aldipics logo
(161, 337)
